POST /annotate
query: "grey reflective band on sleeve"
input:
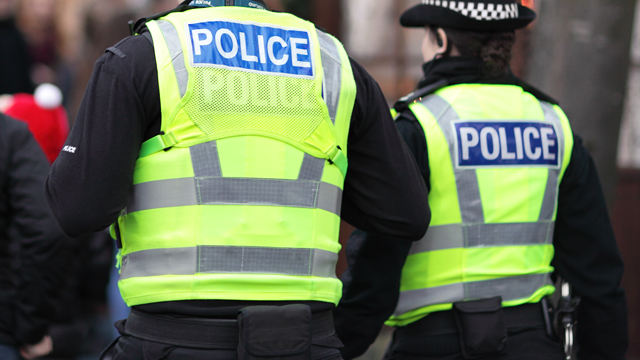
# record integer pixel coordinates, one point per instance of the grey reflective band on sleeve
(510, 288)
(332, 68)
(466, 179)
(229, 259)
(234, 191)
(453, 236)
(174, 45)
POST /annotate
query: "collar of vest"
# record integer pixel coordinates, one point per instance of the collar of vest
(256, 4)
(455, 70)
(136, 27)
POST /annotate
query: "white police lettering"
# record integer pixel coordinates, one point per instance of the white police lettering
(199, 42)
(528, 133)
(251, 48)
(243, 48)
(270, 46)
(69, 149)
(234, 43)
(492, 143)
(467, 142)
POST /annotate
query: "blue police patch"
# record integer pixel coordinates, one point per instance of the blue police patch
(497, 144)
(252, 48)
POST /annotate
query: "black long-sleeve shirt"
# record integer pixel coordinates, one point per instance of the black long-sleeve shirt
(586, 253)
(87, 188)
(29, 238)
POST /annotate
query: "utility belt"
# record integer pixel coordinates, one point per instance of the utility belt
(284, 332)
(474, 328)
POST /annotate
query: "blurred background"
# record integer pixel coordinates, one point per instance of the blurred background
(584, 53)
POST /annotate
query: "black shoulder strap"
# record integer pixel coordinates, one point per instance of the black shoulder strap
(404, 102)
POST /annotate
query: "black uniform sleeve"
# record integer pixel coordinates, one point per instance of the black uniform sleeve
(89, 182)
(370, 290)
(383, 190)
(586, 254)
(371, 283)
(36, 233)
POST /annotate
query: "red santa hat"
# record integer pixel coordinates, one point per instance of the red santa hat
(44, 114)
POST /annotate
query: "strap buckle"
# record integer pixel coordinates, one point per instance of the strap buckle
(339, 159)
(159, 142)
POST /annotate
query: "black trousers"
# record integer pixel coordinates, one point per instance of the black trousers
(131, 348)
(523, 344)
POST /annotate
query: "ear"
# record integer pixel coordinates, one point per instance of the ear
(442, 41)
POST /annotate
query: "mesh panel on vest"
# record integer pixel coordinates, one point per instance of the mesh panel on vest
(228, 101)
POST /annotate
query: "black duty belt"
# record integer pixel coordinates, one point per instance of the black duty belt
(201, 333)
(444, 322)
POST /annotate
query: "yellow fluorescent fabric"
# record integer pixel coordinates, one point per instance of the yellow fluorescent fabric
(509, 196)
(229, 287)
(491, 226)
(443, 194)
(248, 174)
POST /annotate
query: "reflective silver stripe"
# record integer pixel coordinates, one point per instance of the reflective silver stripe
(439, 238)
(329, 198)
(551, 190)
(510, 288)
(235, 191)
(175, 261)
(454, 236)
(312, 168)
(332, 68)
(162, 194)
(172, 39)
(240, 191)
(205, 160)
(511, 234)
(466, 179)
(229, 259)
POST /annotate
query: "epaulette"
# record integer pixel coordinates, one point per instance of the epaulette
(403, 103)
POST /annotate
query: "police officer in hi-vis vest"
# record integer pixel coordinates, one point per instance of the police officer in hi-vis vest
(515, 201)
(224, 143)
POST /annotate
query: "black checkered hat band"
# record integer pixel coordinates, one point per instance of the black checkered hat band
(478, 11)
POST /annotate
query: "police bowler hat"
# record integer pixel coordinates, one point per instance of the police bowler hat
(469, 15)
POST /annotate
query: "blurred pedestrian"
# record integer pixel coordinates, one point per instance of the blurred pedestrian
(516, 201)
(243, 143)
(15, 62)
(30, 241)
(45, 115)
(84, 262)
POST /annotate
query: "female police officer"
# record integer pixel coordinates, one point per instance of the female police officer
(509, 184)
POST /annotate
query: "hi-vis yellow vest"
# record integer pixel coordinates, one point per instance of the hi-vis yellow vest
(496, 156)
(239, 197)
